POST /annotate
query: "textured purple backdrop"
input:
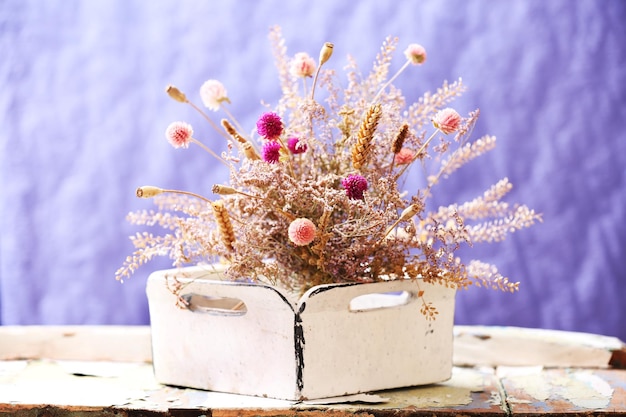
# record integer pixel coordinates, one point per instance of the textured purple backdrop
(83, 111)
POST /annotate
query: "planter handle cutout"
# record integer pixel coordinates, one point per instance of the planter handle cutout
(376, 301)
(221, 306)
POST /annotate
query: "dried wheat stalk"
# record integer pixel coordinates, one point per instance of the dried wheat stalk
(224, 225)
(363, 145)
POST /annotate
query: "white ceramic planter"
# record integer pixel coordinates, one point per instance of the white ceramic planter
(252, 339)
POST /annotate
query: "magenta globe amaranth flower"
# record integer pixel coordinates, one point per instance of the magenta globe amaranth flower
(271, 152)
(296, 146)
(355, 185)
(270, 126)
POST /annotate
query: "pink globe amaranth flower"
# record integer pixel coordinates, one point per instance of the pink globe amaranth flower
(271, 151)
(179, 134)
(302, 65)
(213, 93)
(447, 120)
(302, 231)
(296, 146)
(415, 53)
(354, 185)
(270, 126)
(405, 156)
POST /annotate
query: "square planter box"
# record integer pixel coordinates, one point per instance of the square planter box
(335, 340)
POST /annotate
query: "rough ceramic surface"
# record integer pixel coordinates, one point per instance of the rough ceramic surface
(83, 113)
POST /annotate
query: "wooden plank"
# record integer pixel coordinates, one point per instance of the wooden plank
(473, 345)
(538, 391)
(88, 343)
(515, 346)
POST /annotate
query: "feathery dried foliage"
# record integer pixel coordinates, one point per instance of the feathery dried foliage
(339, 174)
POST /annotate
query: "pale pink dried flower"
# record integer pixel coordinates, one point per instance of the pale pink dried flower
(302, 65)
(302, 231)
(447, 120)
(405, 156)
(179, 134)
(213, 93)
(415, 53)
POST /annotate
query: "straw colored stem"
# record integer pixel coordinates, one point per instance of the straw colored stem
(207, 149)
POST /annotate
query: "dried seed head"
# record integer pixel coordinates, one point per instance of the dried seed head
(250, 152)
(148, 191)
(326, 53)
(406, 215)
(223, 189)
(224, 225)
(229, 128)
(399, 140)
(176, 94)
(409, 212)
(363, 145)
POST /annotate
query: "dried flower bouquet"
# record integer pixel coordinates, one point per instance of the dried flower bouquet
(315, 193)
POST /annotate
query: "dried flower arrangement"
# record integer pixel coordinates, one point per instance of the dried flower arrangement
(314, 198)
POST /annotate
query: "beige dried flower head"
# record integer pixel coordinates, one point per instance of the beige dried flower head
(213, 94)
(415, 53)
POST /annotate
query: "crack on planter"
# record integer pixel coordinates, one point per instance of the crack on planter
(299, 349)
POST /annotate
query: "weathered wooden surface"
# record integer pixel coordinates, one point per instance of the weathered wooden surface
(561, 391)
(43, 381)
(89, 343)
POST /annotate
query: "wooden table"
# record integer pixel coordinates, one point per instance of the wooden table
(106, 370)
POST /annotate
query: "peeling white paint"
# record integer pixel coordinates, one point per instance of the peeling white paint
(585, 390)
(581, 388)
(534, 385)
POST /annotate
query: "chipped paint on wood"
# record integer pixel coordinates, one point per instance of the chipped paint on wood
(532, 390)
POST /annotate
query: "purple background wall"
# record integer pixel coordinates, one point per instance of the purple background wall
(83, 111)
